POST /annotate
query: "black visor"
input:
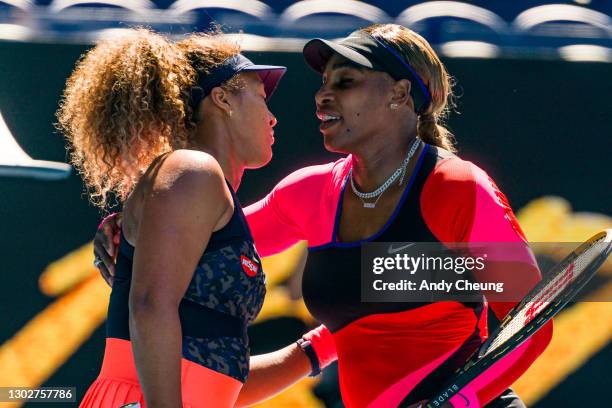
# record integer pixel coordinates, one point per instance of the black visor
(369, 52)
(270, 76)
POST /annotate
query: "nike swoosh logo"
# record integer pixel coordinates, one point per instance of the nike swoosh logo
(400, 248)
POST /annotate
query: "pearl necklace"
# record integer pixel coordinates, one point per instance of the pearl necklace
(401, 171)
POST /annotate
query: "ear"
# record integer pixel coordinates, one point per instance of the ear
(220, 98)
(400, 94)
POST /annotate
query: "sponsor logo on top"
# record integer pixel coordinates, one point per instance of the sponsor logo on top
(249, 266)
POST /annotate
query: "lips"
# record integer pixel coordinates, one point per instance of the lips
(328, 119)
(271, 136)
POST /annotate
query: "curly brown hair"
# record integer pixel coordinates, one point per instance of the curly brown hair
(127, 102)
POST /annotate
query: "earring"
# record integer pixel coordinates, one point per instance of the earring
(230, 113)
(394, 106)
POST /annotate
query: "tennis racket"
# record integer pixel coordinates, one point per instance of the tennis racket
(544, 301)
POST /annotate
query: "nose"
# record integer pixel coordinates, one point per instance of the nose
(273, 120)
(324, 95)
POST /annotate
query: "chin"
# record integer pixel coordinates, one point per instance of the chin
(262, 160)
(334, 144)
(267, 160)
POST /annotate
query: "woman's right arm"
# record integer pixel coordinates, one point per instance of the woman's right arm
(299, 207)
(271, 230)
(273, 227)
(296, 209)
(271, 221)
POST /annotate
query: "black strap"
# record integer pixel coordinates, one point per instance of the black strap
(306, 345)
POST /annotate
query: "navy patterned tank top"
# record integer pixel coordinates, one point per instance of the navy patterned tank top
(225, 294)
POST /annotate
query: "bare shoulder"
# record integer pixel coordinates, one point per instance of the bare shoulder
(182, 187)
(188, 183)
(189, 169)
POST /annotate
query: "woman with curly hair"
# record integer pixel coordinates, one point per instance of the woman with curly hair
(169, 130)
(383, 100)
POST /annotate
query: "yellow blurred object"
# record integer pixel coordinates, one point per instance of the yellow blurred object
(278, 303)
(575, 337)
(52, 336)
(280, 267)
(579, 333)
(550, 219)
(301, 311)
(543, 219)
(64, 274)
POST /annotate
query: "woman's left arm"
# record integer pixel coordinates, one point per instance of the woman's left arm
(178, 217)
(510, 261)
(271, 373)
(461, 203)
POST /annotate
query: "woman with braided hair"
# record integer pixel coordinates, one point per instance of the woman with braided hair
(383, 99)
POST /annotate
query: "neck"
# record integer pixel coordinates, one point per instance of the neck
(374, 164)
(215, 139)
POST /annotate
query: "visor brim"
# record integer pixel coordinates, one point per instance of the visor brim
(270, 76)
(317, 53)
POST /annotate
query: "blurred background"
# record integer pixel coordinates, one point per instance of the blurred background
(534, 80)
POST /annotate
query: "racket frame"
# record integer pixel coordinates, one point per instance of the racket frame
(479, 361)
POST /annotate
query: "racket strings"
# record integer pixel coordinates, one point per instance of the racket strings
(559, 280)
